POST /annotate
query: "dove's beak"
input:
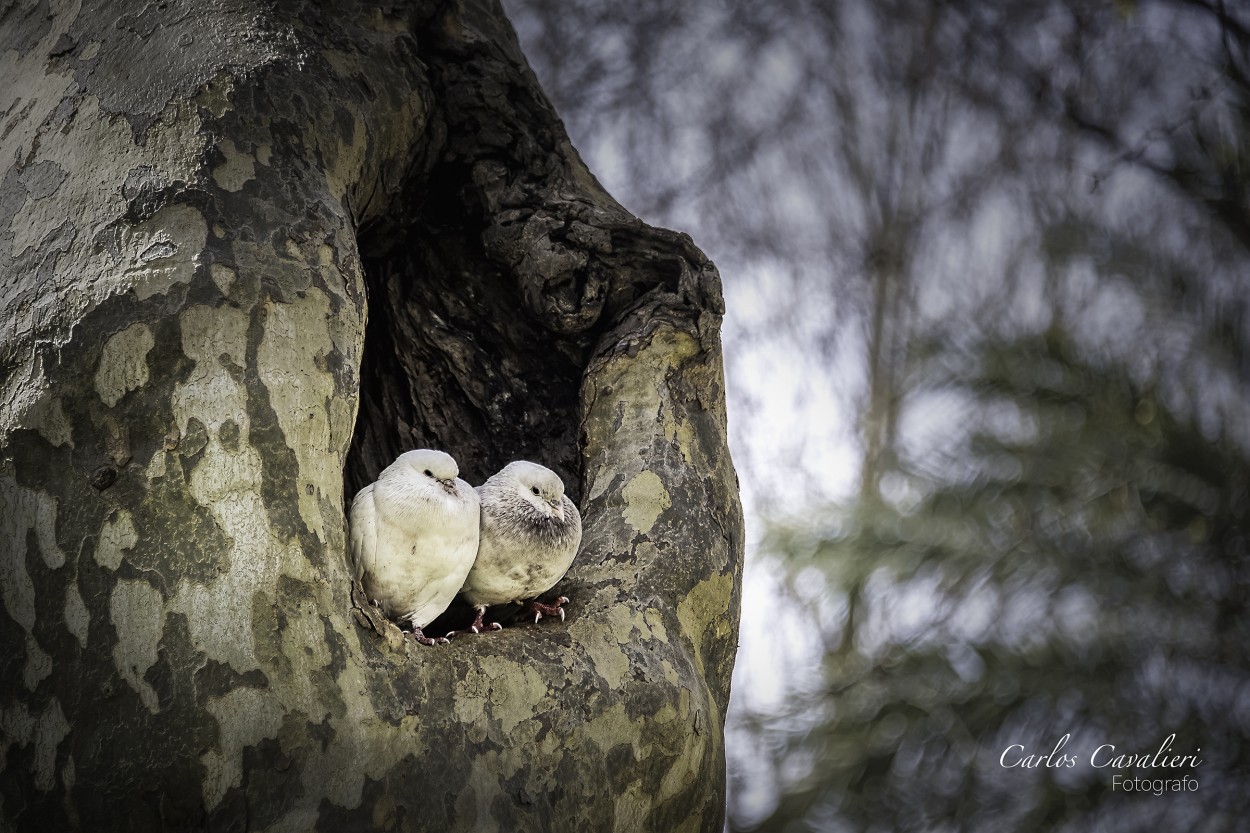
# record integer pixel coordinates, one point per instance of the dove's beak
(557, 509)
(449, 485)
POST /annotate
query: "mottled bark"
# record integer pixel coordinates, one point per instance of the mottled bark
(200, 205)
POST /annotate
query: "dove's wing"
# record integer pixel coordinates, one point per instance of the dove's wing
(364, 521)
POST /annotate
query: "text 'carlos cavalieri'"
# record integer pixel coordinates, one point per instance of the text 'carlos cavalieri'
(1105, 757)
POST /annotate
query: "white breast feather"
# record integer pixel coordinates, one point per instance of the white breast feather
(413, 545)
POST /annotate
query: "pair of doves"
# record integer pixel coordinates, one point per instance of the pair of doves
(420, 535)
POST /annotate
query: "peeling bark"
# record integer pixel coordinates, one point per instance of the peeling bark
(203, 206)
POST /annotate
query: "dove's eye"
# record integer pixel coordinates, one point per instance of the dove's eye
(534, 490)
(429, 473)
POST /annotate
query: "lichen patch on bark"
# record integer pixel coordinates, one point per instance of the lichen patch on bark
(292, 355)
(237, 169)
(243, 716)
(611, 660)
(117, 534)
(702, 611)
(51, 728)
(50, 421)
(224, 277)
(124, 363)
(645, 500)
(38, 664)
(77, 618)
(22, 512)
(137, 613)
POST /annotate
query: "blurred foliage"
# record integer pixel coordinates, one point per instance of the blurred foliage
(1087, 575)
(987, 265)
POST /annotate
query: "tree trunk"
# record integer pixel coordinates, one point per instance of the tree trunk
(203, 203)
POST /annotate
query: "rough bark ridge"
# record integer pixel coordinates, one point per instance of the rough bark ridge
(186, 248)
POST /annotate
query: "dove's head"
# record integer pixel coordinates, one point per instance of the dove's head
(436, 466)
(538, 485)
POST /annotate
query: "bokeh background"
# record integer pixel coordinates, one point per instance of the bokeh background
(987, 267)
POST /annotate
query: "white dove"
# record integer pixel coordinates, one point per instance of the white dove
(530, 534)
(414, 537)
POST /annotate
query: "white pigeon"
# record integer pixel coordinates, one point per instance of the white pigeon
(530, 534)
(414, 537)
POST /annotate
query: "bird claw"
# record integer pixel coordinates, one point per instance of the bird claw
(477, 627)
(493, 626)
(416, 634)
(552, 609)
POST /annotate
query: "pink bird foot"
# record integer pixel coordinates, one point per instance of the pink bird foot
(478, 626)
(540, 610)
(416, 634)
